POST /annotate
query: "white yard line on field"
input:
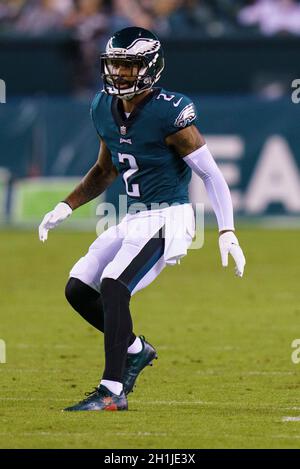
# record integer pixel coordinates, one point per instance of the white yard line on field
(212, 373)
(244, 373)
(32, 399)
(5, 369)
(220, 405)
(291, 419)
(269, 373)
(208, 404)
(140, 434)
(49, 346)
(41, 433)
(204, 403)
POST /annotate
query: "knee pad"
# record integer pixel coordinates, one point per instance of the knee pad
(78, 293)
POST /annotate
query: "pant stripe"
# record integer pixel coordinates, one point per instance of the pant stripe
(144, 261)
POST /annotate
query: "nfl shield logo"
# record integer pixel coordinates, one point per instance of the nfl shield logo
(123, 130)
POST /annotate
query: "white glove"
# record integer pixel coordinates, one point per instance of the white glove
(228, 243)
(54, 218)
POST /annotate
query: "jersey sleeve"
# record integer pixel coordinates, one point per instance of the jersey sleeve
(181, 113)
(94, 112)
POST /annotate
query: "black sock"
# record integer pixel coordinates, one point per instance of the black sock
(117, 326)
(88, 303)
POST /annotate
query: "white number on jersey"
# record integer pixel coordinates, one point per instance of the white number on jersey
(165, 96)
(134, 191)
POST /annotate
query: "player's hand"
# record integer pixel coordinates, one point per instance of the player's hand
(54, 218)
(229, 244)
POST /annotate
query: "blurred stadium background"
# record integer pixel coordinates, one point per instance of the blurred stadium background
(238, 61)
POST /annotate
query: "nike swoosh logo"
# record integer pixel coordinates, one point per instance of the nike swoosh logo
(177, 103)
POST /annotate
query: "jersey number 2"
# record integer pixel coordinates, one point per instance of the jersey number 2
(133, 190)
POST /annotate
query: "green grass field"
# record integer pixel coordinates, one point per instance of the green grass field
(224, 378)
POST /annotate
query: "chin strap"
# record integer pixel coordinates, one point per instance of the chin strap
(127, 97)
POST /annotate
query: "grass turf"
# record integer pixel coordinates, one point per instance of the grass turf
(224, 378)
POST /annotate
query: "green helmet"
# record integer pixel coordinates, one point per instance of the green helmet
(139, 53)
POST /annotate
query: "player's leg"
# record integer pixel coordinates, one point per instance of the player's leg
(135, 259)
(86, 301)
(117, 332)
(139, 359)
(136, 264)
(83, 293)
(83, 287)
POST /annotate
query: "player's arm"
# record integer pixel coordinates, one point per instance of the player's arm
(185, 141)
(190, 145)
(96, 181)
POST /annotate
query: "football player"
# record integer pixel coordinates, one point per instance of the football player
(150, 137)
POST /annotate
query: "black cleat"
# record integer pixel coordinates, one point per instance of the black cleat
(101, 399)
(136, 362)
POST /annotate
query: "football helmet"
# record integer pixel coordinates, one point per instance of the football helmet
(133, 61)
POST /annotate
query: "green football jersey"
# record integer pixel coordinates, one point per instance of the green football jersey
(152, 173)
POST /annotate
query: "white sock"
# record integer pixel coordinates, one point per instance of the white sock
(114, 386)
(136, 347)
